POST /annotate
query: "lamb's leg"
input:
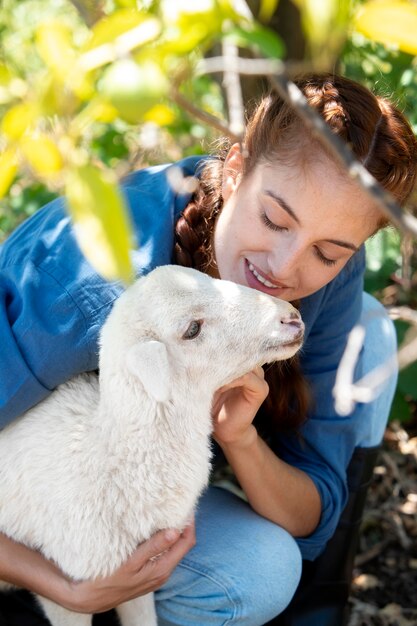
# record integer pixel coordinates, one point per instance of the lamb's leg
(58, 616)
(138, 612)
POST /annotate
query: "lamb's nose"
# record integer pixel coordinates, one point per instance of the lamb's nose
(294, 320)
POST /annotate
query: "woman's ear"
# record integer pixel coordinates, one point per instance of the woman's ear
(232, 171)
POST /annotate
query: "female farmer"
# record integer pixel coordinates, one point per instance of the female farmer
(278, 216)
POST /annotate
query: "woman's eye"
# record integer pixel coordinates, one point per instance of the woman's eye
(323, 258)
(270, 224)
(193, 330)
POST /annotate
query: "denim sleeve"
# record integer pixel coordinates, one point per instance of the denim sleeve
(53, 303)
(326, 442)
(51, 308)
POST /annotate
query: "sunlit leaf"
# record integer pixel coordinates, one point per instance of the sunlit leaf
(267, 9)
(393, 23)
(160, 114)
(101, 221)
(112, 26)
(117, 37)
(262, 39)
(175, 12)
(97, 110)
(18, 119)
(5, 75)
(190, 24)
(54, 98)
(8, 170)
(325, 22)
(55, 46)
(42, 155)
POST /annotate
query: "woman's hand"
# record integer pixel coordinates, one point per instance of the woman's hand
(147, 569)
(235, 406)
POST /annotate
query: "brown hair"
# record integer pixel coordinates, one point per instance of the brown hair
(379, 136)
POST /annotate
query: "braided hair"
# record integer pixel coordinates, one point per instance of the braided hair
(379, 136)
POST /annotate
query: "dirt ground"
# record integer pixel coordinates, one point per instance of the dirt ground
(384, 589)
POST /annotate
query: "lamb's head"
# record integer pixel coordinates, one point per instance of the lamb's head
(179, 327)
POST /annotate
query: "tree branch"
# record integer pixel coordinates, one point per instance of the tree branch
(91, 11)
(205, 117)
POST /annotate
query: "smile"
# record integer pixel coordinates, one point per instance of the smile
(261, 279)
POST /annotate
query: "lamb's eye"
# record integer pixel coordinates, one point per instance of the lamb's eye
(193, 330)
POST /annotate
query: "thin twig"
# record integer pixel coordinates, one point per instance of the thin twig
(231, 83)
(205, 117)
(372, 553)
(91, 11)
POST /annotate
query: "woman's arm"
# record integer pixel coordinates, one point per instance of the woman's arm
(147, 569)
(275, 490)
(301, 482)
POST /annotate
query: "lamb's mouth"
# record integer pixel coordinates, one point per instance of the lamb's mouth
(296, 343)
(290, 344)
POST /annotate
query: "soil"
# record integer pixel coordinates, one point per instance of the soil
(384, 590)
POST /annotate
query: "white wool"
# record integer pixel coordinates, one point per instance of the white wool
(104, 463)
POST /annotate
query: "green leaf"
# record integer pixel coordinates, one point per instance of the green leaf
(102, 224)
(133, 89)
(259, 37)
(400, 409)
(393, 23)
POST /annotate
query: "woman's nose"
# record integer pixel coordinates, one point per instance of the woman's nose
(283, 263)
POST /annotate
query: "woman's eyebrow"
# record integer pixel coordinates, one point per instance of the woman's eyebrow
(344, 244)
(282, 204)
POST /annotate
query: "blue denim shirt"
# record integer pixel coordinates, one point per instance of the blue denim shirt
(53, 304)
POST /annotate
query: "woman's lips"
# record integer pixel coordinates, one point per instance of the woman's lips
(258, 280)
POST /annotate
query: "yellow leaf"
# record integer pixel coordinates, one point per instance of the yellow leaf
(160, 114)
(18, 119)
(5, 75)
(392, 23)
(55, 46)
(267, 9)
(110, 27)
(8, 170)
(97, 110)
(119, 45)
(101, 221)
(42, 155)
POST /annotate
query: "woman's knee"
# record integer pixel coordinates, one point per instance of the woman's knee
(276, 567)
(244, 569)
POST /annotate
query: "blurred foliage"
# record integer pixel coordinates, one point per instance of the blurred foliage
(87, 94)
(380, 54)
(385, 69)
(385, 279)
(90, 86)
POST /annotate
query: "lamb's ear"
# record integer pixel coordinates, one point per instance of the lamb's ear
(148, 361)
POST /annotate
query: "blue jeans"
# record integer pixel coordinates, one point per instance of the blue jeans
(244, 569)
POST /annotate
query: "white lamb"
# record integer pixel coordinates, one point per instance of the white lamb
(102, 464)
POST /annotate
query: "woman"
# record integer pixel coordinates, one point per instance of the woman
(280, 217)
